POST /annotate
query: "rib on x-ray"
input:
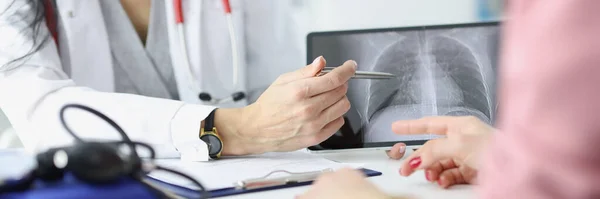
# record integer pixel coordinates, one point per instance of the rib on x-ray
(439, 72)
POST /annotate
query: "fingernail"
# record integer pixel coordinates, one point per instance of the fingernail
(316, 60)
(402, 149)
(415, 162)
(355, 64)
(440, 182)
(427, 176)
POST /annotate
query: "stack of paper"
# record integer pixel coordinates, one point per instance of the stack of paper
(225, 172)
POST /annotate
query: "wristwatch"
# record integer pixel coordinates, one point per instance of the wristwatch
(210, 136)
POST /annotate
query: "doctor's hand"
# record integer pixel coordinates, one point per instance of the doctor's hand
(298, 110)
(450, 160)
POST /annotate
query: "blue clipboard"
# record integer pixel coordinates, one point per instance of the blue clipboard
(190, 193)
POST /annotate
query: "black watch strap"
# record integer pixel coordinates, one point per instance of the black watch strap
(212, 140)
(209, 122)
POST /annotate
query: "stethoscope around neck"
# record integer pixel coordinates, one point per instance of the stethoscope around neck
(204, 96)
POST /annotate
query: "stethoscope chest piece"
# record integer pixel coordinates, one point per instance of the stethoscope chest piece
(237, 96)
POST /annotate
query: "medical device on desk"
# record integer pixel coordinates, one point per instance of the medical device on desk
(96, 163)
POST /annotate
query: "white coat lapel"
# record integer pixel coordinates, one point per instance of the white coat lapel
(137, 66)
(89, 51)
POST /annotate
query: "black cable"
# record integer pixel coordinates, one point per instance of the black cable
(100, 115)
(131, 144)
(144, 145)
(22, 184)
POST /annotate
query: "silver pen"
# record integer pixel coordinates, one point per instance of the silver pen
(363, 74)
(291, 178)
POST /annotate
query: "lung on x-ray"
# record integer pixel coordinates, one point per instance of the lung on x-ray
(439, 72)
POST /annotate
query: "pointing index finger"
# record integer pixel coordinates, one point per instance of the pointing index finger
(336, 78)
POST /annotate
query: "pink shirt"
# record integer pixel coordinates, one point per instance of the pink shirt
(549, 146)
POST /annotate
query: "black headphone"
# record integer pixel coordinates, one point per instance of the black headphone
(95, 162)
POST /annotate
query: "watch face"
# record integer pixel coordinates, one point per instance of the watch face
(214, 144)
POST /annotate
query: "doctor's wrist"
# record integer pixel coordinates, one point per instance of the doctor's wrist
(229, 124)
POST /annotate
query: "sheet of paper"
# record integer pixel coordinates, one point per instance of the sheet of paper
(225, 172)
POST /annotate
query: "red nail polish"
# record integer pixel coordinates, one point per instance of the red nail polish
(427, 176)
(415, 162)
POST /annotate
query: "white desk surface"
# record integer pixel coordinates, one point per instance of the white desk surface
(390, 181)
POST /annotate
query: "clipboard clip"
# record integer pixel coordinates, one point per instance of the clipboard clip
(291, 178)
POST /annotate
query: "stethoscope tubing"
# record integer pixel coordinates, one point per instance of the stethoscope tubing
(179, 21)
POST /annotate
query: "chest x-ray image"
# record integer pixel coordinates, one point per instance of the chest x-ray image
(441, 71)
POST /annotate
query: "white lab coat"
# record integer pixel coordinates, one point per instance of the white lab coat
(32, 94)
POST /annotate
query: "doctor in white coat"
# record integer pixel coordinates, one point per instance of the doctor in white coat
(126, 59)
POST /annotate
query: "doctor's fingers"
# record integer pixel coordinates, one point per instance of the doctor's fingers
(336, 78)
(327, 99)
(311, 70)
(316, 122)
(314, 137)
(326, 132)
(338, 109)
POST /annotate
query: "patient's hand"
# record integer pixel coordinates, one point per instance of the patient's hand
(448, 172)
(450, 160)
(344, 184)
(397, 151)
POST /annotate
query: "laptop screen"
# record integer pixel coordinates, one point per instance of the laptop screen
(447, 70)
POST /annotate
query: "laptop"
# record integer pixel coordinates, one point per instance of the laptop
(446, 70)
